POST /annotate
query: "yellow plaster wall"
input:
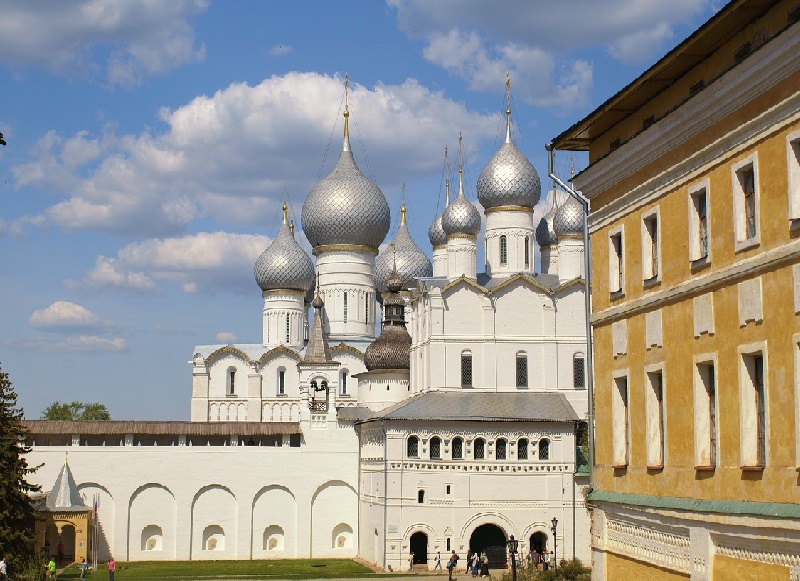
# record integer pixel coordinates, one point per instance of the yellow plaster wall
(619, 568)
(728, 568)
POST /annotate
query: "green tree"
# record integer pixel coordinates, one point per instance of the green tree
(76, 411)
(16, 511)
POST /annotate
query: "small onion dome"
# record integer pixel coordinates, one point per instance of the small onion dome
(346, 207)
(405, 256)
(283, 264)
(545, 235)
(568, 220)
(392, 349)
(508, 179)
(436, 233)
(461, 217)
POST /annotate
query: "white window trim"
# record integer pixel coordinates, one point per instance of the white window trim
(793, 176)
(656, 452)
(694, 224)
(747, 450)
(621, 447)
(647, 247)
(616, 268)
(741, 242)
(701, 410)
(278, 382)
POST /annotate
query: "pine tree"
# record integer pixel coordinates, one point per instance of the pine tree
(16, 511)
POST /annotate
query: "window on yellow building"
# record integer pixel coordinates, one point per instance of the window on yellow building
(619, 422)
(705, 415)
(793, 159)
(753, 410)
(616, 274)
(650, 246)
(654, 418)
(698, 223)
(745, 203)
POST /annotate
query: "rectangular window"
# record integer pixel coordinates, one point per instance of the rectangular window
(619, 412)
(522, 370)
(466, 370)
(705, 415)
(503, 251)
(344, 303)
(281, 382)
(753, 411)
(655, 418)
(458, 449)
(616, 275)
(480, 449)
(527, 251)
(344, 383)
(745, 203)
(366, 309)
(447, 491)
(650, 246)
(698, 222)
(436, 448)
(287, 328)
(578, 370)
(793, 162)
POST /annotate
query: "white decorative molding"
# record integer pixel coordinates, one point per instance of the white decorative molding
(759, 553)
(660, 548)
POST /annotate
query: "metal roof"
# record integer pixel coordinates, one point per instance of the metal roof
(67, 427)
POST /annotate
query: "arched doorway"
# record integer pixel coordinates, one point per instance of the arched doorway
(539, 542)
(492, 539)
(419, 546)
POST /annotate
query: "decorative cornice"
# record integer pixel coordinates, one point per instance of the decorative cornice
(345, 347)
(523, 278)
(440, 247)
(279, 350)
(468, 282)
(508, 209)
(228, 350)
(278, 292)
(344, 248)
(746, 268)
(461, 235)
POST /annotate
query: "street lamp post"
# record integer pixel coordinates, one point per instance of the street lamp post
(555, 544)
(513, 544)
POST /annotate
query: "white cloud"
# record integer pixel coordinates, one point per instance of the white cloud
(280, 50)
(228, 338)
(70, 344)
(631, 48)
(228, 156)
(122, 41)
(200, 263)
(67, 317)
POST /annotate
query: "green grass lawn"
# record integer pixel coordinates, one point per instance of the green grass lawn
(266, 569)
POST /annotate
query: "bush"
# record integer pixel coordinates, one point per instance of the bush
(572, 570)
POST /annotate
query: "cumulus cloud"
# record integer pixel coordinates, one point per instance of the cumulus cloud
(85, 343)
(228, 156)
(120, 41)
(225, 337)
(478, 41)
(67, 317)
(206, 263)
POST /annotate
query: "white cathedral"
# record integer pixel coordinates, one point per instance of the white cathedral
(454, 429)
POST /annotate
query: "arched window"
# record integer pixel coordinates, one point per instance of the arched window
(479, 449)
(527, 251)
(544, 449)
(522, 369)
(345, 307)
(231, 383)
(287, 327)
(579, 370)
(436, 448)
(343, 382)
(281, 382)
(458, 448)
(503, 251)
(466, 369)
(522, 449)
(500, 449)
(412, 447)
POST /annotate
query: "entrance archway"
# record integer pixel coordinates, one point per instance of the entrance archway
(492, 539)
(539, 542)
(419, 546)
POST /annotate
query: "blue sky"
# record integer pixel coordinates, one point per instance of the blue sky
(150, 145)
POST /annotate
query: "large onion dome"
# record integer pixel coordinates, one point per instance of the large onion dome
(545, 235)
(283, 264)
(568, 220)
(392, 349)
(461, 217)
(508, 179)
(346, 207)
(404, 255)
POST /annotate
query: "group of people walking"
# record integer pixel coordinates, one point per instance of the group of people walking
(478, 563)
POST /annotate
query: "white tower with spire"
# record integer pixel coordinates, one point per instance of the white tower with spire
(508, 189)
(346, 218)
(461, 223)
(436, 235)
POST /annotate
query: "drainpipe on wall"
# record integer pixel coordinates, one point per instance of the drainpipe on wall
(587, 274)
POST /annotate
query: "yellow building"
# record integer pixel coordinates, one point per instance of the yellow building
(694, 185)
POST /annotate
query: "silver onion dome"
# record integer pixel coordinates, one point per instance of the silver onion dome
(545, 235)
(346, 207)
(284, 264)
(508, 179)
(436, 234)
(461, 217)
(568, 220)
(406, 257)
